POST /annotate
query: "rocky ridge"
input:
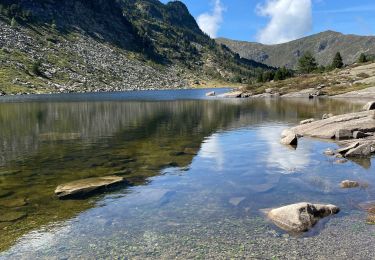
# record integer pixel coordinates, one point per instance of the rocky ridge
(323, 45)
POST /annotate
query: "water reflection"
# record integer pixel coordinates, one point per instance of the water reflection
(213, 155)
(287, 158)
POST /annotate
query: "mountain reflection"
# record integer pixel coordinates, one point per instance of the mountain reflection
(45, 144)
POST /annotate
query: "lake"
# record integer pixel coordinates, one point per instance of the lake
(200, 171)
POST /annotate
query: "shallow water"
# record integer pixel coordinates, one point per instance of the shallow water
(200, 172)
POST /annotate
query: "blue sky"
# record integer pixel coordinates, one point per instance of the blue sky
(276, 21)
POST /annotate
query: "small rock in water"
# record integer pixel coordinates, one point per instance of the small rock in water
(301, 217)
(85, 187)
(191, 151)
(347, 184)
(236, 201)
(289, 139)
(210, 94)
(329, 152)
(5, 193)
(341, 161)
(307, 121)
(13, 203)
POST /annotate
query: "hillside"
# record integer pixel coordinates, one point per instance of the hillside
(106, 45)
(323, 45)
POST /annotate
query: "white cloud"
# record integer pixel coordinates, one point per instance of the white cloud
(210, 22)
(289, 20)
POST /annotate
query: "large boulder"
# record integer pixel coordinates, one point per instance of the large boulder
(363, 150)
(301, 217)
(85, 187)
(369, 106)
(343, 134)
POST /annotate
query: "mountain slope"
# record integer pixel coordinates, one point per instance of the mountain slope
(106, 45)
(323, 45)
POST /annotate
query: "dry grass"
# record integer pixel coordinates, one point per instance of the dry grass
(335, 82)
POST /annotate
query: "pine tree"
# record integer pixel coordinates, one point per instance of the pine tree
(362, 58)
(337, 62)
(13, 22)
(307, 63)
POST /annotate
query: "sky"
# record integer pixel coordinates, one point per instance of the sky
(278, 21)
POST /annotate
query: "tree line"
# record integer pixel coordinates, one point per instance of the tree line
(307, 64)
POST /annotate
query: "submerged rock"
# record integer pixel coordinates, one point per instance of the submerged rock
(12, 216)
(236, 200)
(85, 187)
(301, 217)
(341, 161)
(329, 152)
(13, 203)
(349, 184)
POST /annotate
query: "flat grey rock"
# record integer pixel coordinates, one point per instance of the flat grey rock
(85, 187)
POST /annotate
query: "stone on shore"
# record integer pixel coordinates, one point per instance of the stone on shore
(369, 106)
(347, 184)
(86, 187)
(301, 217)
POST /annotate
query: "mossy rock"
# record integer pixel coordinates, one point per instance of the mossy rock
(13, 203)
(5, 193)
